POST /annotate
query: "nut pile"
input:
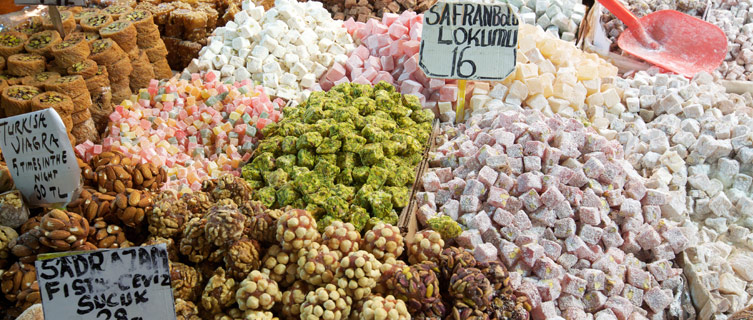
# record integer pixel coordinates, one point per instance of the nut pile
(349, 161)
(364, 10)
(285, 49)
(557, 203)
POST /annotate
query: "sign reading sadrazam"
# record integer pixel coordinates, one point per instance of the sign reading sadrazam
(466, 40)
(120, 284)
(40, 157)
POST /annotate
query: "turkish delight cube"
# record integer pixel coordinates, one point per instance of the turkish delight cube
(563, 210)
(574, 313)
(451, 208)
(544, 217)
(620, 307)
(444, 174)
(573, 195)
(474, 188)
(594, 301)
(469, 203)
(654, 198)
(531, 164)
(635, 189)
(528, 289)
(549, 289)
(551, 197)
(552, 249)
(633, 294)
(593, 168)
(661, 269)
(492, 236)
(425, 213)
(590, 234)
(426, 198)
(616, 255)
(456, 185)
(469, 239)
(530, 200)
(648, 238)
(531, 252)
(630, 244)
(567, 260)
(528, 181)
(573, 285)
(485, 252)
(630, 208)
(589, 215)
(596, 279)
(638, 278)
(605, 314)
(521, 221)
(611, 237)
(663, 251)
(497, 162)
(509, 253)
(546, 310)
(510, 232)
(504, 181)
(567, 301)
(564, 228)
(545, 268)
(487, 176)
(431, 182)
(442, 196)
(502, 217)
(656, 299)
(614, 285)
(676, 239)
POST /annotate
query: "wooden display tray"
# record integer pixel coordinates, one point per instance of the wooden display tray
(408, 223)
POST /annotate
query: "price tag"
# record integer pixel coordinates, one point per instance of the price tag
(466, 40)
(40, 157)
(130, 283)
(80, 3)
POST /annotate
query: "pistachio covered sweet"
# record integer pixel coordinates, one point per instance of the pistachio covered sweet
(328, 302)
(348, 154)
(384, 241)
(257, 292)
(358, 274)
(472, 287)
(426, 245)
(296, 229)
(454, 258)
(388, 269)
(461, 311)
(418, 286)
(448, 228)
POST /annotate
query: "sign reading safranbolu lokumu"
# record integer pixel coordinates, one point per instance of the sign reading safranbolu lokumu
(466, 40)
(40, 157)
(120, 284)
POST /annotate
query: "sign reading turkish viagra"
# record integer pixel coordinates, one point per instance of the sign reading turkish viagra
(468, 40)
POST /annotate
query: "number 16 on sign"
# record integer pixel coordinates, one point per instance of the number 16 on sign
(468, 41)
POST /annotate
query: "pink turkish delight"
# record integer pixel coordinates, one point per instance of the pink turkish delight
(552, 197)
(594, 301)
(431, 182)
(589, 215)
(521, 221)
(621, 307)
(545, 268)
(485, 252)
(509, 253)
(469, 203)
(633, 295)
(656, 299)
(552, 249)
(487, 176)
(573, 285)
(590, 234)
(549, 289)
(531, 252)
(648, 238)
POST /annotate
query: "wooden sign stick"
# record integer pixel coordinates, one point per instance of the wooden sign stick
(57, 21)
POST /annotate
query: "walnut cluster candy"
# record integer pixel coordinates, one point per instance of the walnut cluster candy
(426, 245)
(257, 292)
(172, 248)
(384, 241)
(296, 229)
(13, 210)
(63, 230)
(263, 225)
(328, 302)
(168, 216)
(197, 202)
(219, 292)
(194, 243)
(225, 224)
(186, 310)
(242, 257)
(358, 273)
(186, 281)
(7, 235)
(230, 187)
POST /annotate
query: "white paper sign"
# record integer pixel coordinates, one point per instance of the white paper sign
(80, 3)
(130, 283)
(40, 157)
(467, 40)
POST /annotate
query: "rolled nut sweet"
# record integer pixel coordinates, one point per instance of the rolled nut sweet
(388, 269)
(296, 229)
(230, 187)
(257, 292)
(472, 287)
(107, 236)
(27, 246)
(148, 176)
(387, 307)
(92, 204)
(225, 224)
(7, 235)
(130, 206)
(194, 243)
(293, 298)
(342, 237)
(418, 286)
(198, 202)
(263, 226)
(115, 178)
(328, 302)
(384, 241)
(13, 210)
(63, 230)
(280, 266)
(358, 274)
(219, 293)
(168, 216)
(318, 265)
(426, 245)
(186, 310)
(242, 256)
(172, 248)
(186, 281)
(454, 258)
(18, 277)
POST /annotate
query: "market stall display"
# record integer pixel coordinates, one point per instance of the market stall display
(302, 165)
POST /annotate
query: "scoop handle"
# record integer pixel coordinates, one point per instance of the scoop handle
(629, 19)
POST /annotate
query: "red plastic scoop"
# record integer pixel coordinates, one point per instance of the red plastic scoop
(672, 40)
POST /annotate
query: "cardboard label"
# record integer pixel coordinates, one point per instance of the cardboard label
(466, 40)
(130, 283)
(80, 3)
(40, 157)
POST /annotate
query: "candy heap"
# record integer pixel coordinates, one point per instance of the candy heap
(559, 205)
(364, 10)
(692, 140)
(735, 18)
(285, 48)
(559, 17)
(349, 154)
(185, 25)
(198, 128)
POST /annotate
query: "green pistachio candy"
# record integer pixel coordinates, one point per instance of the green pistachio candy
(362, 196)
(377, 177)
(327, 169)
(324, 222)
(328, 146)
(309, 140)
(266, 196)
(270, 145)
(286, 163)
(336, 207)
(307, 182)
(288, 145)
(448, 228)
(401, 176)
(353, 143)
(345, 176)
(328, 157)
(390, 148)
(358, 217)
(297, 171)
(400, 196)
(381, 203)
(287, 195)
(276, 178)
(371, 153)
(422, 115)
(361, 174)
(347, 159)
(374, 134)
(364, 105)
(319, 197)
(306, 158)
(264, 162)
(412, 102)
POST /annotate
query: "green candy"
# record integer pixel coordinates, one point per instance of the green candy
(276, 179)
(288, 145)
(266, 196)
(306, 158)
(448, 228)
(381, 203)
(309, 140)
(287, 195)
(371, 153)
(400, 196)
(359, 217)
(328, 145)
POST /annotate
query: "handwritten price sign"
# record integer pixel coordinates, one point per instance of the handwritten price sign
(473, 41)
